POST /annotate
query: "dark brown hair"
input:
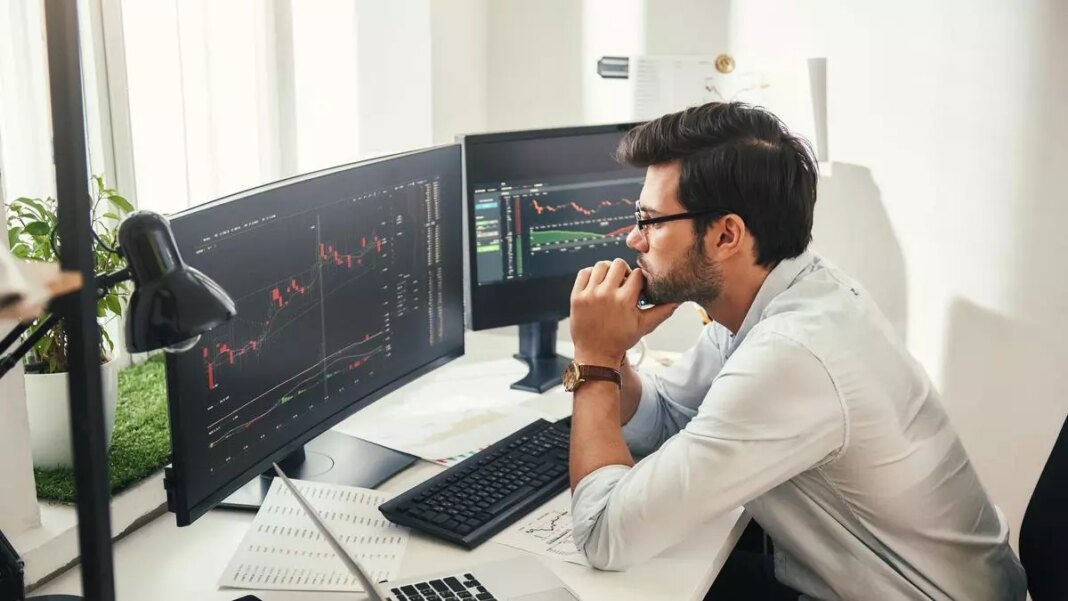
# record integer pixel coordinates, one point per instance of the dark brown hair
(740, 158)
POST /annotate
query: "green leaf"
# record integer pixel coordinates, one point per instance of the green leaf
(121, 203)
(43, 346)
(101, 310)
(110, 215)
(39, 208)
(112, 302)
(106, 341)
(38, 228)
(13, 236)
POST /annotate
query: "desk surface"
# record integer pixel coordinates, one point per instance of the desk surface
(162, 562)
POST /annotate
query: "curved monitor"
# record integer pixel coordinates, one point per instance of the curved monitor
(348, 284)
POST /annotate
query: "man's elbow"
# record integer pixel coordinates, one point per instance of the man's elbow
(608, 556)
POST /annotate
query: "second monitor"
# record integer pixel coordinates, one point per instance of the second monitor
(541, 205)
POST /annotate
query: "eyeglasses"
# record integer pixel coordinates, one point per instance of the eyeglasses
(643, 223)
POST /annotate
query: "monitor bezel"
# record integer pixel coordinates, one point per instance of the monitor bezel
(508, 303)
(176, 474)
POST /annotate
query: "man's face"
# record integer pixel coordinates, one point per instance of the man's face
(673, 259)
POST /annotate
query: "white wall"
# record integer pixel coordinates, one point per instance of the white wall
(395, 73)
(459, 67)
(947, 198)
(535, 79)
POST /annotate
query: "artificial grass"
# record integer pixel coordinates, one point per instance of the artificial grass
(140, 442)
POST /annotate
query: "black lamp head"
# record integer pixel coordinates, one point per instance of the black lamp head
(172, 304)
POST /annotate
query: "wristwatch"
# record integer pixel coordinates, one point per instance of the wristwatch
(576, 373)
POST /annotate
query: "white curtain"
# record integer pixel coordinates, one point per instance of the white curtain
(224, 96)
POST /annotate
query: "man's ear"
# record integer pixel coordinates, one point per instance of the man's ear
(726, 237)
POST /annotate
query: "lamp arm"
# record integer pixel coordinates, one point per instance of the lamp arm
(108, 281)
(7, 362)
(12, 359)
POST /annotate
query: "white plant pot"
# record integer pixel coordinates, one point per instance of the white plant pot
(49, 411)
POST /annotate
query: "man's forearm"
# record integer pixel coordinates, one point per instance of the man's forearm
(596, 435)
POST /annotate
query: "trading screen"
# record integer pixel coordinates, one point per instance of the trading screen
(343, 283)
(552, 226)
(545, 204)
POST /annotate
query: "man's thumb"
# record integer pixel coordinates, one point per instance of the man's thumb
(654, 316)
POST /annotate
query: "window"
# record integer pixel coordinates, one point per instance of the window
(224, 96)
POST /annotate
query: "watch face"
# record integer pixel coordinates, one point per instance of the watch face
(571, 376)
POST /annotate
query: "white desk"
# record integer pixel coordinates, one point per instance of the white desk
(162, 562)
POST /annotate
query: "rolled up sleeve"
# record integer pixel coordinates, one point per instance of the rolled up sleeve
(671, 397)
(772, 413)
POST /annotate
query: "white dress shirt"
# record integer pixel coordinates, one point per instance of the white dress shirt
(816, 419)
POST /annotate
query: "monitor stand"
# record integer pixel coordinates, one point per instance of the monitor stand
(333, 458)
(537, 348)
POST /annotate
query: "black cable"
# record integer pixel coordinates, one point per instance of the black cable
(113, 251)
(55, 247)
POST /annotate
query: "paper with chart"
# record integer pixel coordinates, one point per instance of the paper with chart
(283, 550)
(547, 532)
(444, 421)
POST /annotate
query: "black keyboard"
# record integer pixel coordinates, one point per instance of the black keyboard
(470, 502)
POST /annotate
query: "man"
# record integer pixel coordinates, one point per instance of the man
(798, 402)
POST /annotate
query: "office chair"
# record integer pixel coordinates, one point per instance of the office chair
(1044, 532)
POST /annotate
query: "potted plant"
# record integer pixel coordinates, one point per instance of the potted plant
(31, 226)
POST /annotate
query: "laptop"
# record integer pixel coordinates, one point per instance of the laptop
(516, 579)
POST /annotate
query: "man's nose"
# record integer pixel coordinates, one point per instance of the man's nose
(636, 241)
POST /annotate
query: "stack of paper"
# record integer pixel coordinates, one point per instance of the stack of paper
(284, 551)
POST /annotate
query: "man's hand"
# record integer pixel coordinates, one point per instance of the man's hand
(605, 318)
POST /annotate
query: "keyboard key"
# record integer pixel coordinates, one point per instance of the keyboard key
(511, 498)
(439, 585)
(454, 584)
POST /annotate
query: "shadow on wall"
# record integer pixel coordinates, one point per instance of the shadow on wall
(1006, 376)
(851, 229)
(996, 366)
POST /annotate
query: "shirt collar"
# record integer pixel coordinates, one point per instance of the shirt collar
(779, 279)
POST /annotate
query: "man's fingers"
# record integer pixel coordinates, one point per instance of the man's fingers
(581, 280)
(598, 273)
(616, 272)
(654, 316)
(635, 281)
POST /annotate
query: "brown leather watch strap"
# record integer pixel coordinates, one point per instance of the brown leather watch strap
(597, 372)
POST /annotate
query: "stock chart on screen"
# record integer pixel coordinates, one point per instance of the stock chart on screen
(552, 226)
(341, 288)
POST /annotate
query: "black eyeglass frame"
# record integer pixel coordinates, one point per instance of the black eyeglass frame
(642, 223)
